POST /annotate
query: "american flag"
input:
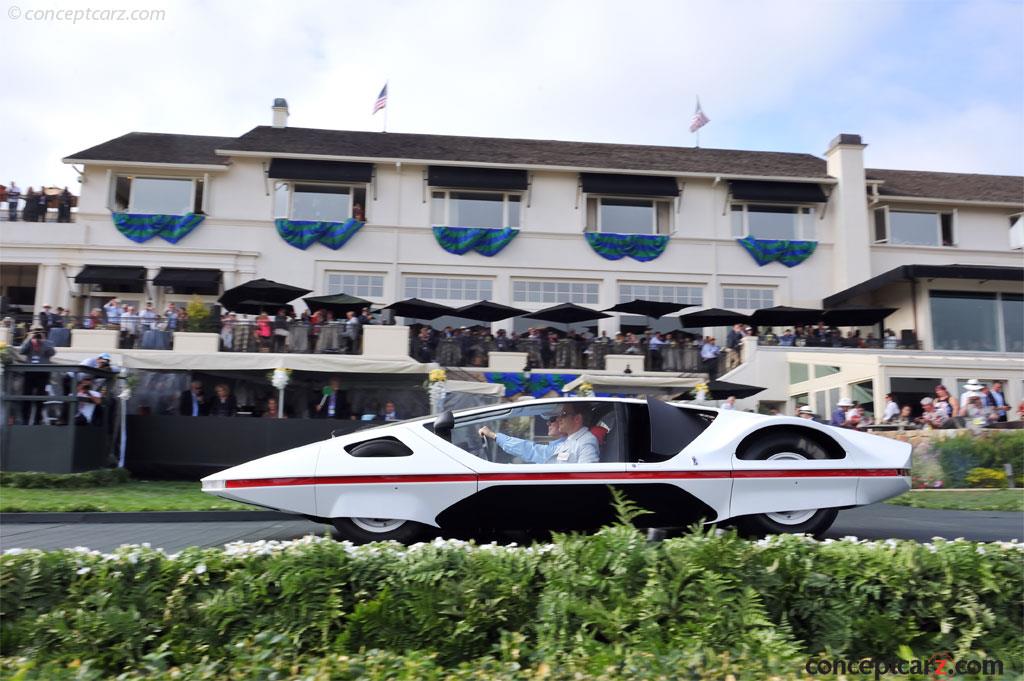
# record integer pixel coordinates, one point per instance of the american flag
(382, 99)
(699, 120)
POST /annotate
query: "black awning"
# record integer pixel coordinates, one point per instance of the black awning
(189, 280)
(777, 192)
(113, 277)
(911, 272)
(323, 171)
(477, 178)
(631, 185)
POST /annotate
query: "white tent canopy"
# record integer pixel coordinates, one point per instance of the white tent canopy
(161, 360)
(475, 388)
(611, 383)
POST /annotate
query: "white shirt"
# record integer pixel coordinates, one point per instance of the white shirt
(580, 447)
(86, 407)
(892, 410)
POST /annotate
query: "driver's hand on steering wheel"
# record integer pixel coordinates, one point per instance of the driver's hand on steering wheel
(487, 432)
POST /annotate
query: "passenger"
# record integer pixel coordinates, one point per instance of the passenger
(529, 452)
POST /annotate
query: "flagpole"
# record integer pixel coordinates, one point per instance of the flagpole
(386, 116)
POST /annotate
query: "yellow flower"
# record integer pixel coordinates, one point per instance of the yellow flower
(438, 375)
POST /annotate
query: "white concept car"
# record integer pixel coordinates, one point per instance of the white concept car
(550, 463)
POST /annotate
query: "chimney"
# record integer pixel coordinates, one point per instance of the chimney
(852, 241)
(280, 110)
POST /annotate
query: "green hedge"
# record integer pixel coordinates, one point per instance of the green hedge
(608, 605)
(958, 455)
(98, 478)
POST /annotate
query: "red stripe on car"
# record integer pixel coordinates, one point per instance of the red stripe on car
(582, 475)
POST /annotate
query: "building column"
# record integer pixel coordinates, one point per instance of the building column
(48, 288)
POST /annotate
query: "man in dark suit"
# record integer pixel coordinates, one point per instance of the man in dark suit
(193, 401)
(332, 404)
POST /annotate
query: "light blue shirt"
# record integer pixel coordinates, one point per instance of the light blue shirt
(528, 451)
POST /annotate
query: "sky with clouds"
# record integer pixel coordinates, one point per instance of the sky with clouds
(930, 85)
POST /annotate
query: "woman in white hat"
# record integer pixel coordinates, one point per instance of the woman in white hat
(972, 388)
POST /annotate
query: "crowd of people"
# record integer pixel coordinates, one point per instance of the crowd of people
(978, 406)
(37, 203)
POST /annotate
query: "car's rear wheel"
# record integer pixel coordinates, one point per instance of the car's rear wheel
(365, 530)
(813, 521)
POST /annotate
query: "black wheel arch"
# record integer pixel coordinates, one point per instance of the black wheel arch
(832, 448)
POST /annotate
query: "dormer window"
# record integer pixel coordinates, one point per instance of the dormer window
(621, 215)
(319, 191)
(462, 208)
(319, 202)
(915, 228)
(772, 221)
(157, 195)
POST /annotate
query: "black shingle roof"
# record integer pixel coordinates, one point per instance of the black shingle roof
(949, 186)
(148, 147)
(525, 152)
(158, 147)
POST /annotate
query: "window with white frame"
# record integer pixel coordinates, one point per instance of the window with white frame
(743, 298)
(157, 195)
(1017, 231)
(319, 201)
(773, 221)
(461, 208)
(370, 286)
(621, 215)
(461, 289)
(914, 227)
(553, 291)
(684, 295)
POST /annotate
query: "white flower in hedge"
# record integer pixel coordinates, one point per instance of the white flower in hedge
(200, 569)
(980, 549)
(83, 570)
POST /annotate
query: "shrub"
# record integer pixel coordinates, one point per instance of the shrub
(704, 605)
(98, 478)
(986, 477)
(958, 455)
(198, 316)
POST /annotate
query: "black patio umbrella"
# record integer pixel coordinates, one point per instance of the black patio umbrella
(486, 311)
(339, 303)
(783, 315)
(262, 290)
(856, 315)
(712, 316)
(720, 390)
(648, 308)
(257, 307)
(567, 313)
(419, 309)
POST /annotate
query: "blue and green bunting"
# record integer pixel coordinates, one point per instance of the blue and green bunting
(642, 247)
(789, 253)
(485, 241)
(535, 385)
(304, 233)
(141, 227)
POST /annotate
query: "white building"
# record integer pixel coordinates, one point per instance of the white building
(943, 248)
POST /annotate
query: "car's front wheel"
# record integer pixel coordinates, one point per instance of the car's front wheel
(813, 521)
(365, 530)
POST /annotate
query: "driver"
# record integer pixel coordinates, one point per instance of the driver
(578, 446)
(529, 452)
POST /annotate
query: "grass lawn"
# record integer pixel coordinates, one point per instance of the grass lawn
(138, 495)
(967, 500)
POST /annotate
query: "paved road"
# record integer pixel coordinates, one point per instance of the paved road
(878, 521)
